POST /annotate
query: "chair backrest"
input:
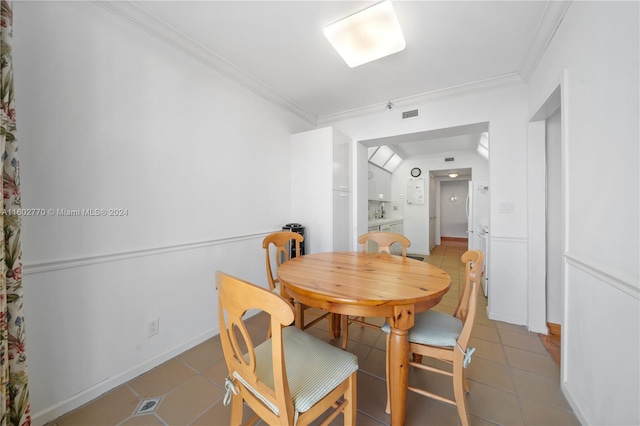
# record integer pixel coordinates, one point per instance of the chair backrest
(235, 298)
(384, 241)
(466, 309)
(279, 240)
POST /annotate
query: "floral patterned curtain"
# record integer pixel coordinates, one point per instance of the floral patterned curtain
(13, 359)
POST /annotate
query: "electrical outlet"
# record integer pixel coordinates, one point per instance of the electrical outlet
(153, 327)
(507, 207)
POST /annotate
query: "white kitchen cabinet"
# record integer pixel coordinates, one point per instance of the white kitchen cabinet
(340, 181)
(379, 184)
(384, 185)
(341, 227)
(320, 188)
(396, 228)
(372, 247)
(371, 182)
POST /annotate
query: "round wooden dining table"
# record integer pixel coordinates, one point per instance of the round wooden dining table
(370, 285)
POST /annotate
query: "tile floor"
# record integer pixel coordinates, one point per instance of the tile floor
(512, 378)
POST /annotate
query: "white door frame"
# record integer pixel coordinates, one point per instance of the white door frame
(536, 188)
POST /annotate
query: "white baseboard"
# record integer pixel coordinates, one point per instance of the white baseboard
(572, 404)
(506, 318)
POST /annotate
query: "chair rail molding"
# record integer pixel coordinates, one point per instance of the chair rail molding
(612, 278)
(75, 262)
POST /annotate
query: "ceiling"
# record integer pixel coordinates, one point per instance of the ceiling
(278, 50)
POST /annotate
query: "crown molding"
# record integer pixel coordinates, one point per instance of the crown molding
(162, 30)
(547, 26)
(493, 83)
(143, 19)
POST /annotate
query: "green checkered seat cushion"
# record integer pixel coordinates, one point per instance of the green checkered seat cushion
(314, 368)
(433, 328)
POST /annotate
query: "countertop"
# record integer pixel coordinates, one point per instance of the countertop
(385, 221)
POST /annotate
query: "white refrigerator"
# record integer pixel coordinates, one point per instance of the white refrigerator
(478, 223)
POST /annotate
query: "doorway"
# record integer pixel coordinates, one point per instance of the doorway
(546, 212)
(555, 227)
(554, 247)
(454, 214)
(429, 153)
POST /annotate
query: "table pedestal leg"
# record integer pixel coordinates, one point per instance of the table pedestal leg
(398, 374)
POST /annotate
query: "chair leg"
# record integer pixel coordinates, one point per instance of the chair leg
(236, 411)
(386, 370)
(345, 331)
(466, 385)
(351, 411)
(458, 392)
(299, 316)
(332, 327)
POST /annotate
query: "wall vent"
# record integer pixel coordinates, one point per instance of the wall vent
(449, 159)
(409, 114)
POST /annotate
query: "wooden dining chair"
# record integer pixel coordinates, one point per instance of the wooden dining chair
(384, 240)
(446, 337)
(277, 251)
(291, 378)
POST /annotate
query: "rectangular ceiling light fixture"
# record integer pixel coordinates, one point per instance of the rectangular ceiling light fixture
(370, 34)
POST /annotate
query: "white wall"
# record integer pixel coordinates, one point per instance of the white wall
(416, 216)
(111, 117)
(597, 46)
(505, 110)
